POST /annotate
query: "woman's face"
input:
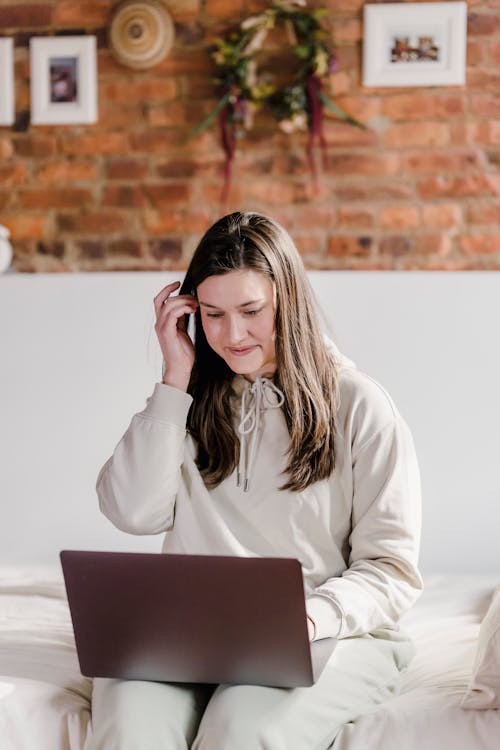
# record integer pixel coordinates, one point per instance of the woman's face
(238, 313)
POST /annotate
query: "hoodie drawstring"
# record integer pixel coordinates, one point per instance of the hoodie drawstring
(259, 396)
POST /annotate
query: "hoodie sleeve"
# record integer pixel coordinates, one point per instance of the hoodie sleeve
(381, 581)
(138, 485)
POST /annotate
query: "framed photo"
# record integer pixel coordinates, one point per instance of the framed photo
(414, 44)
(63, 80)
(6, 81)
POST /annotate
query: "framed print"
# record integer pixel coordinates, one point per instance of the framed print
(63, 80)
(6, 81)
(414, 44)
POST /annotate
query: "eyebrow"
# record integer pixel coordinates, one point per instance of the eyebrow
(245, 304)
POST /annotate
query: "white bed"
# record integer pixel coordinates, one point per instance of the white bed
(45, 701)
(79, 358)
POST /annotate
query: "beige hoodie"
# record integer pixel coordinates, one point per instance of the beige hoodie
(355, 534)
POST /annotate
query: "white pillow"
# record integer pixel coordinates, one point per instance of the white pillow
(483, 690)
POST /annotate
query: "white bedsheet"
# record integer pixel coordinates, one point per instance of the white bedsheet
(426, 714)
(45, 701)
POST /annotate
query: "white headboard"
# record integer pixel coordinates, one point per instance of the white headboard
(79, 357)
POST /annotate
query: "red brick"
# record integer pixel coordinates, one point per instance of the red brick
(127, 196)
(482, 24)
(165, 196)
(355, 218)
(222, 9)
(25, 16)
(34, 145)
(98, 143)
(476, 51)
(153, 141)
(162, 222)
(91, 13)
(456, 187)
(125, 246)
(385, 163)
(126, 169)
(13, 173)
(484, 213)
(167, 114)
(94, 222)
(207, 166)
(182, 9)
(373, 191)
(340, 134)
(417, 134)
(54, 248)
(309, 244)
(47, 199)
(315, 217)
(363, 108)
(340, 245)
(25, 226)
(5, 199)
(413, 106)
(278, 191)
(488, 133)
(486, 105)
(483, 78)
(443, 215)
(399, 217)
(480, 244)
(6, 148)
(495, 52)
(141, 89)
(396, 246)
(186, 61)
(348, 30)
(441, 161)
(67, 171)
(123, 116)
(168, 248)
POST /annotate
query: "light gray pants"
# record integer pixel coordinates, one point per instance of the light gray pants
(133, 715)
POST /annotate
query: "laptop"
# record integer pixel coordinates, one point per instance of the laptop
(191, 618)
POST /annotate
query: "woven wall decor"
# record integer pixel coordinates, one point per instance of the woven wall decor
(141, 33)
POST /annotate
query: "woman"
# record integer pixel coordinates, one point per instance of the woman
(263, 439)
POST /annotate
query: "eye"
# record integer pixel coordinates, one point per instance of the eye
(214, 315)
(252, 312)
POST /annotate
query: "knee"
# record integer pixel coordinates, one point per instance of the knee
(230, 733)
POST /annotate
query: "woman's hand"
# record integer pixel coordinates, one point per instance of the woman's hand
(176, 346)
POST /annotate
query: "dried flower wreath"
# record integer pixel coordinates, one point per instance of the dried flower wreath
(246, 89)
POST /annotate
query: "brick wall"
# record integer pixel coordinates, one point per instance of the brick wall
(418, 189)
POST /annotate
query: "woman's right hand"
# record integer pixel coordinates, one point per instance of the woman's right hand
(176, 346)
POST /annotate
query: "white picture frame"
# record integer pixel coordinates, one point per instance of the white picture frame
(7, 115)
(414, 44)
(63, 80)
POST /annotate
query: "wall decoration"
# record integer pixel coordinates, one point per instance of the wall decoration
(414, 44)
(6, 81)
(63, 80)
(245, 88)
(141, 33)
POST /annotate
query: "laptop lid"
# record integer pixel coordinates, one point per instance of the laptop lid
(190, 618)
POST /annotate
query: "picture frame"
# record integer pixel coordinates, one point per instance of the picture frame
(7, 115)
(414, 44)
(63, 80)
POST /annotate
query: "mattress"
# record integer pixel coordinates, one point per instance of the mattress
(45, 701)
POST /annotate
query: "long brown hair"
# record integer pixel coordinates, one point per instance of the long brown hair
(305, 369)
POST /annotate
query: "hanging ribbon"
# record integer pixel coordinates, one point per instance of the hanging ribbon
(313, 91)
(228, 136)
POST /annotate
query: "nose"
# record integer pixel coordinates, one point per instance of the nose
(236, 329)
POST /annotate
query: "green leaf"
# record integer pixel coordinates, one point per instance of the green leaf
(341, 114)
(207, 121)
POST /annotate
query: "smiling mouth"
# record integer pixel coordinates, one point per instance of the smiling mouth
(240, 352)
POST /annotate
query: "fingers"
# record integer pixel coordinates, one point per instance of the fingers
(170, 310)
